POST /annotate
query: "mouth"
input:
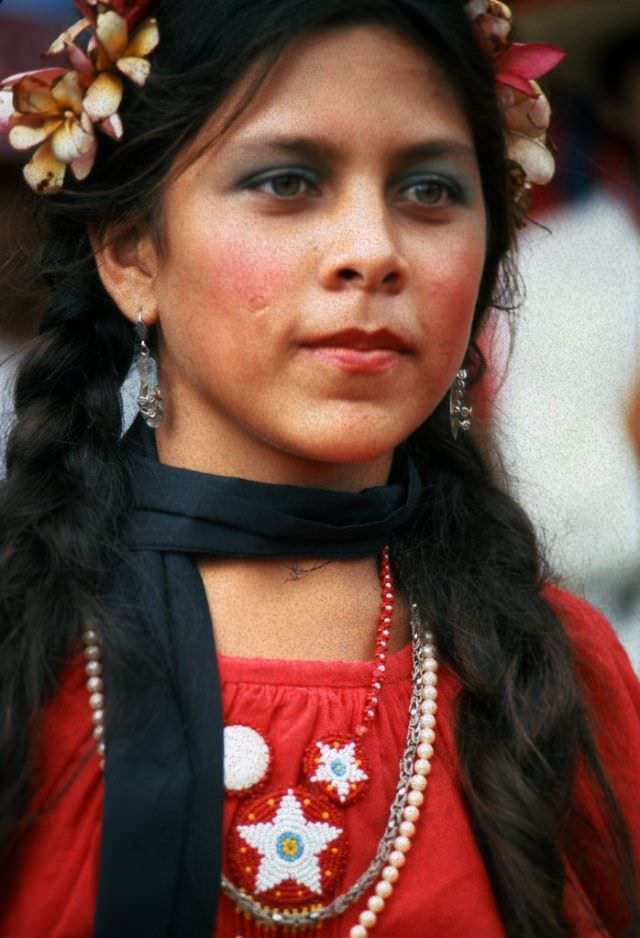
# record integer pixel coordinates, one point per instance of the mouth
(355, 350)
(381, 340)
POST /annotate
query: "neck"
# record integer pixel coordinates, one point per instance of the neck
(298, 608)
(228, 453)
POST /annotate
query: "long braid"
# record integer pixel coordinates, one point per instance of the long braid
(472, 561)
(61, 504)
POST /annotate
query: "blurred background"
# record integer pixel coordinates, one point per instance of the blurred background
(564, 400)
(567, 414)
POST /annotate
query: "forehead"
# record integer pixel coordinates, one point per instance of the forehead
(349, 84)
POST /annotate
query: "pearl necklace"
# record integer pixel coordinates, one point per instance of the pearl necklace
(95, 686)
(415, 767)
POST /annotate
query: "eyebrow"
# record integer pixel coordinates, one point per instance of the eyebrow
(313, 149)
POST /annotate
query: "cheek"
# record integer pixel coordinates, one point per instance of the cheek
(217, 283)
(256, 277)
(452, 293)
(234, 273)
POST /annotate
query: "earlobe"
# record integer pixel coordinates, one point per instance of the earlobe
(127, 263)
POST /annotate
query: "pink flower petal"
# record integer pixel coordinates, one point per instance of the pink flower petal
(25, 136)
(112, 34)
(103, 97)
(530, 116)
(68, 93)
(528, 59)
(84, 164)
(68, 37)
(145, 39)
(112, 126)
(70, 141)
(43, 172)
(79, 60)
(43, 74)
(517, 82)
(135, 69)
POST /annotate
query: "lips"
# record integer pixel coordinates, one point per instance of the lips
(361, 340)
(356, 351)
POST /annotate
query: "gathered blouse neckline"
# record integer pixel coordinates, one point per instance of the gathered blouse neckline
(311, 673)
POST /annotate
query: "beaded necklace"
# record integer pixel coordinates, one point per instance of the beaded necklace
(383, 872)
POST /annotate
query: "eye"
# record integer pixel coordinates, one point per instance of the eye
(434, 192)
(285, 185)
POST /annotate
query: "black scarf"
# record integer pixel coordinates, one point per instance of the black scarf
(162, 828)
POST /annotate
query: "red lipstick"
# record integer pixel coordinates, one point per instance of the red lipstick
(357, 350)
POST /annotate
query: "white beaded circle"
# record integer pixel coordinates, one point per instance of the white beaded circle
(246, 758)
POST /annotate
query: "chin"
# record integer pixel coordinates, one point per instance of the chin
(354, 447)
(357, 435)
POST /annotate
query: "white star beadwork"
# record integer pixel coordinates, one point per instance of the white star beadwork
(339, 768)
(289, 846)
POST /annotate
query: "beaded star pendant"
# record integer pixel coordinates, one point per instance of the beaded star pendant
(338, 765)
(288, 848)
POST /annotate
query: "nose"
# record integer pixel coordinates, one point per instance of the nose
(363, 250)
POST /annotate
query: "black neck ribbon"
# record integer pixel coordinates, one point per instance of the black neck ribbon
(161, 855)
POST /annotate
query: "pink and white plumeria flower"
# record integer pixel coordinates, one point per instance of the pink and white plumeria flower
(517, 65)
(47, 112)
(57, 109)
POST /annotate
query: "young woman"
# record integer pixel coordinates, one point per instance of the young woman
(286, 657)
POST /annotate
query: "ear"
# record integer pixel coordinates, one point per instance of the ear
(128, 263)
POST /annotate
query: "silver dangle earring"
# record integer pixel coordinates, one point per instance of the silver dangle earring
(150, 403)
(459, 412)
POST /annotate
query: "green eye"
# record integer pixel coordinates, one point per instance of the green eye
(286, 185)
(433, 192)
(430, 193)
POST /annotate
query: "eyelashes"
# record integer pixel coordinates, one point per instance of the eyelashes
(285, 181)
(436, 191)
(289, 185)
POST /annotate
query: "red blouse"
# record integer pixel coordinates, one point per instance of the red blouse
(443, 887)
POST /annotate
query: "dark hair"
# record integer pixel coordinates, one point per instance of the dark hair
(471, 557)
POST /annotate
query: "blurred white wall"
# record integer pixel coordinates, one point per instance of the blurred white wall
(560, 414)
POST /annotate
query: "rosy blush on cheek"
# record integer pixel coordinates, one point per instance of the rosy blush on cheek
(257, 277)
(456, 296)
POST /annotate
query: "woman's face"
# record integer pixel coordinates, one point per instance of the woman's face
(320, 266)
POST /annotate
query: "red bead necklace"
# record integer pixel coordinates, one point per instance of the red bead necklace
(275, 830)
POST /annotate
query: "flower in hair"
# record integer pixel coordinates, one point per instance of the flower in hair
(492, 23)
(47, 111)
(527, 120)
(132, 11)
(113, 46)
(57, 109)
(526, 110)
